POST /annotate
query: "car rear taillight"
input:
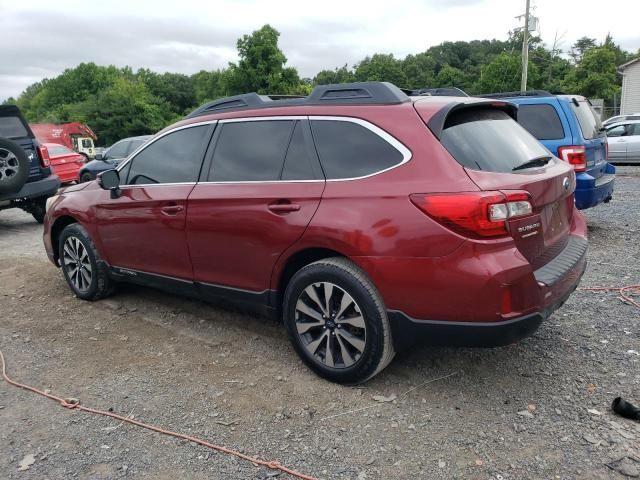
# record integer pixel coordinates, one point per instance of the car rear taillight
(574, 155)
(45, 160)
(475, 214)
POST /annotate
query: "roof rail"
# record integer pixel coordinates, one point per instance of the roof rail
(528, 93)
(357, 93)
(440, 92)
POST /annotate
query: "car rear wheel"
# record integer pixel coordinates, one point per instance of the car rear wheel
(337, 322)
(14, 167)
(86, 177)
(83, 269)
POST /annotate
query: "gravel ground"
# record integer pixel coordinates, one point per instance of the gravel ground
(537, 409)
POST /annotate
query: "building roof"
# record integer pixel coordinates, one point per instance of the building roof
(624, 66)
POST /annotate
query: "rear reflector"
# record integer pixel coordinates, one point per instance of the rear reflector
(45, 160)
(475, 214)
(575, 156)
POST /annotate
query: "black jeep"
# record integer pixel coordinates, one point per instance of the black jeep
(25, 173)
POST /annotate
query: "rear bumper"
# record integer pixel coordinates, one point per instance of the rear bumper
(409, 332)
(556, 281)
(41, 188)
(591, 191)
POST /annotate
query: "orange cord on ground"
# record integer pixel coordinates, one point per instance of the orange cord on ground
(620, 290)
(74, 404)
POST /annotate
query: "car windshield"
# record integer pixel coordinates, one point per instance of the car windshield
(12, 127)
(54, 151)
(490, 140)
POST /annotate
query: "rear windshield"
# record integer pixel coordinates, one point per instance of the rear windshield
(489, 140)
(541, 121)
(59, 150)
(12, 127)
(588, 119)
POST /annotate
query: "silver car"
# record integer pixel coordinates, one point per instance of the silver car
(624, 141)
(620, 119)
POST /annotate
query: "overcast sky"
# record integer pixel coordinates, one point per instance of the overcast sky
(40, 38)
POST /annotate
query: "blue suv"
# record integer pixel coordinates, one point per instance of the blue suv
(569, 127)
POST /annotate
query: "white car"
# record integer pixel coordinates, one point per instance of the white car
(624, 141)
(621, 118)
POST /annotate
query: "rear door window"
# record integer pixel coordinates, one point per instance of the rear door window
(489, 140)
(12, 127)
(541, 121)
(250, 151)
(588, 119)
(350, 150)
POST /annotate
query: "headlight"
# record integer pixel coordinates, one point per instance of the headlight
(50, 201)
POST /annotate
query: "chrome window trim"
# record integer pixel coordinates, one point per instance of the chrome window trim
(390, 139)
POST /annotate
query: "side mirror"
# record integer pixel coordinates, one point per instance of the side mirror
(99, 156)
(110, 180)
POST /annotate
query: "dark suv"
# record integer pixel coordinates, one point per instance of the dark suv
(25, 173)
(366, 218)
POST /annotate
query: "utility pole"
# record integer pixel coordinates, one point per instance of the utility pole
(525, 50)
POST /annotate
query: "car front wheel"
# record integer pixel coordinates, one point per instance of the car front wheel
(86, 177)
(337, 322)
(83, 269)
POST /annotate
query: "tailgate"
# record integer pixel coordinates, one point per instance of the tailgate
(501, 157)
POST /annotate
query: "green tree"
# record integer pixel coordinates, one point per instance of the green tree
(340, 75)
(595, 75)
(261, 66)
(582, 46)
(504, 73)
(126, 108)
(449, 76)
(419, 70)
(381, 67)
(176, 89)
(209, 85)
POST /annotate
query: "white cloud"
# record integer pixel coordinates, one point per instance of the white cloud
(42, 38)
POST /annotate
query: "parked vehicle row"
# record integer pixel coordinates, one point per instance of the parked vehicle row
(75, 136)
(569, 127)
(366, 218)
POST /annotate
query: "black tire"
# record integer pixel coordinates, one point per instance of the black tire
(14, 167)
(367, 307)
(99, 284)
(38, 209)
(86, 177)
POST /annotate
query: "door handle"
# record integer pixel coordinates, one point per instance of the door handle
(284, 207)
(172, 209)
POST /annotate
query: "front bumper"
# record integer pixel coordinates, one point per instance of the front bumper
(591, 191)
(556, 282)
(41, 188)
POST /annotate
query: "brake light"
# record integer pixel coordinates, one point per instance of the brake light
(475, 214)
(574, 155)
(45, 160)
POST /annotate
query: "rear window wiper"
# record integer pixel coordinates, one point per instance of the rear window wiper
(540, 161)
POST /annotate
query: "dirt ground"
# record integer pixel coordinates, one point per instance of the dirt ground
(538, 409)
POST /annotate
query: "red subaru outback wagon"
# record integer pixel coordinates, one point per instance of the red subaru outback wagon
(366, 218)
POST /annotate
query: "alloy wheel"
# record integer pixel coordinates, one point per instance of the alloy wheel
(77, 264)
(8, 164)
(330, 325)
